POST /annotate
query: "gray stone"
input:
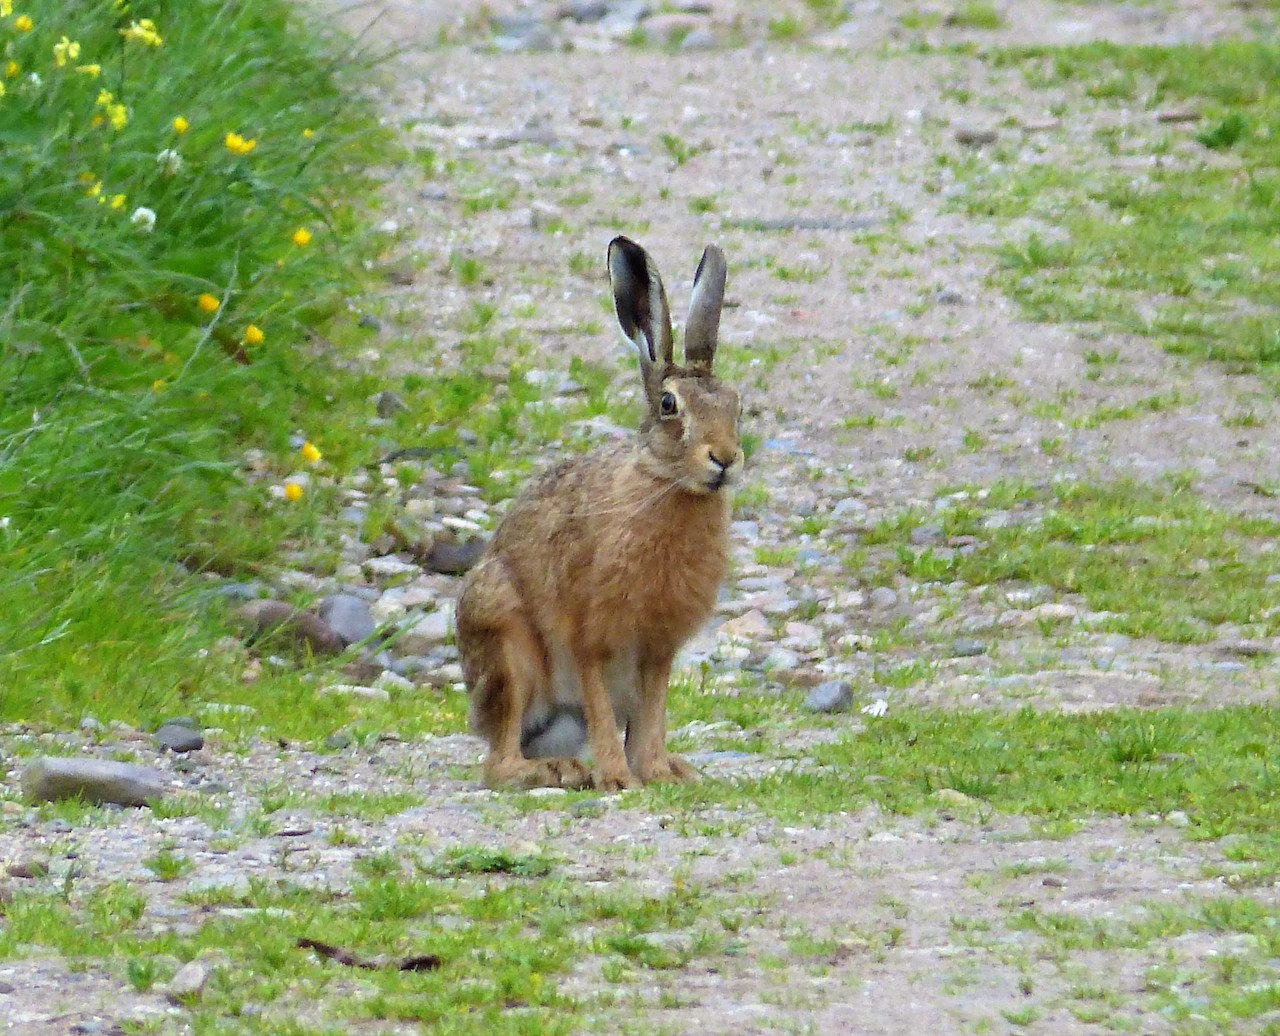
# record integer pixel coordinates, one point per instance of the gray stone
(355, 690)
(369, 322)
(388, 568)
(962, 647)
(389, 404)
(189, 981)
(699, 39)
(783, 659)
(625, 14)
(584, 11)
(49, 779)
(832, 696)
(975, 137)
(883, 598)
(949, 297)
(178, 737)
(349, 617)
(427, 633)
(453, 559)
(249, 591)
(926, 535)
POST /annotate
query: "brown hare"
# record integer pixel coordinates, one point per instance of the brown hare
(607, 564)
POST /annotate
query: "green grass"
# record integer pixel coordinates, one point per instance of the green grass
(505, 944)
(1216, 766)
(127, 404)
(129, 407)
(1188, 252)
(1167, 564)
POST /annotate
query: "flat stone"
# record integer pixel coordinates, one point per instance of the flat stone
(926, 535)
(453, 559)
(975, 137)
(389, 404)
(349, 617)
(388, 568)
(699, 39)
(883, 598)
(178, 737)
(1055, 611)
(355, 690)
(50, 779)
(391, 681)
(831, 696)
(962, 647)
(426, 633)
(188, 982)
(750, 626)
(783, 659)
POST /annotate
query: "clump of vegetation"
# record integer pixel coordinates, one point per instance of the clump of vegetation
(174, 220)
(1188, 251)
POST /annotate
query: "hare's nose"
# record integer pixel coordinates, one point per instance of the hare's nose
(721, 464)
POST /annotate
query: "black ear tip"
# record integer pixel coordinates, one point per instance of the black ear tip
(626, 258)
(713, 258)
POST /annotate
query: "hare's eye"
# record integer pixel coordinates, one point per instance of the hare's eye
(667, 404)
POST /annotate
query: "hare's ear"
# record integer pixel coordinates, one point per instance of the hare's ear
(703, 326)
(641, 303)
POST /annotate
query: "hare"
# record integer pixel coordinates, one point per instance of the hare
(568, 626)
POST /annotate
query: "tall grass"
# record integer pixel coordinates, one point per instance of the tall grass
(175, 190)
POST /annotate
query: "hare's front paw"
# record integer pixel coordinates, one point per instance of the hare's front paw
(614, 779)
(522, 774)
(668, 769)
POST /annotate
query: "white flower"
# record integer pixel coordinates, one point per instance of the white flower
(4, 522)
(876, 708)
(144, 219)
(34, 79)
(169, 161)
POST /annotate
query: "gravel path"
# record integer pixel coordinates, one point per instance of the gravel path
(866, 338)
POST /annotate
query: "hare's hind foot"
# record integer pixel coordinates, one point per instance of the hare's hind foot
(668, 769)
(504, 771)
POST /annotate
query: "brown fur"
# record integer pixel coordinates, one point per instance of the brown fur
(606, 565)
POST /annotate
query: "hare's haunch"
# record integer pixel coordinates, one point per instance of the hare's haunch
(608, 563)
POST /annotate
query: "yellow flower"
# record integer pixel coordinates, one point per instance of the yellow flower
(293, 492)
(23, 23)
(181, 125)
(95, 189)
(12, 70)
(310, 453)
(119, 115)
(92, 71)
(65, 50)
(157, 385)
(6, 8)
(144, 31)
(309, 133)
(105, 97)
(117, 202)
(237, 145)
(208, 303)
(253, 335)
(302, 237)
(1, 89)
